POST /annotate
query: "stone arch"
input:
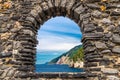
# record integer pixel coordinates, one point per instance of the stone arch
(99, 25)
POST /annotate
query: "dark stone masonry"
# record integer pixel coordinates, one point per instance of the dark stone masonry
(99, 21)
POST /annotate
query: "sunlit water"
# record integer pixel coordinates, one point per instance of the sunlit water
(42, 66)
(55, 68)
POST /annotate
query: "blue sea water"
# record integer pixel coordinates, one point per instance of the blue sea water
(56, 68)
(43, 58)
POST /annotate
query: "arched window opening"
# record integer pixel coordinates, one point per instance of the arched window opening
(60, 48)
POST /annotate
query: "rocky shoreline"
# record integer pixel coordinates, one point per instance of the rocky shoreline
(71, 63)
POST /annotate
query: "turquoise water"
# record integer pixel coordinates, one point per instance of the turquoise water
(42, 58)
(56, 68)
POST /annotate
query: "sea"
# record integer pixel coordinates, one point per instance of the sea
(55, 68)
(43, 66)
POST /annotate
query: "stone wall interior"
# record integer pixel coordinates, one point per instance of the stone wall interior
(99, 21)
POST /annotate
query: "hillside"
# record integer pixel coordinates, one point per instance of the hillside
(72, 56)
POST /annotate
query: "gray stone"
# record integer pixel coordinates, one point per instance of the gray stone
(111, 28)
(92, 1)
(96, 14)
(112, 78)
(93, 35)
(105, 51)
(63, 3)
(8, 54)
(44, 6)
(3, 30)
(1, 72)
(93, 6)
(89, 27)
(106, 21)
(114, 13)
(100, 45)
(108, 35)
(116, 38)
(109, 71)
(31, 19)
(14, 30)
(57, 3)
(78, 11)
(116, 49)
(10, 73)
(110, 44)
(3, 67)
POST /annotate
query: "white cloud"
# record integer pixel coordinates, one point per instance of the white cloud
(50, 38)
(56, 43)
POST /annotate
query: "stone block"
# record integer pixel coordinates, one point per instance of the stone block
(93, 35)
(116, 38)
(7, 54)
(93, 6)
(63, 3)
(106, 21)
(69, 5)
(10, 73)
(57, 3)
(91, 65)
(105, 51)
(96, 14)
(114, 13)
(116, 49)
(78, 11)
(113, 77)
(100, 45)
(109, 71)
(1, 72)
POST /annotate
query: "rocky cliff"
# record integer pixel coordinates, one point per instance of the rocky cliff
(74, 57)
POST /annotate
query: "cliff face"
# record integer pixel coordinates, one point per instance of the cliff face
(70, 62)
(74, 57)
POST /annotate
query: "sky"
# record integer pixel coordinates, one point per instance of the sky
(58, 35)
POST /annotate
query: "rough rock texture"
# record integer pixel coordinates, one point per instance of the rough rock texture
(67, 60)
(99, 21)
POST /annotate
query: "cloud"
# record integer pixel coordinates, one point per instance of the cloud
(56, 43)
(58, 34)
(62, 33)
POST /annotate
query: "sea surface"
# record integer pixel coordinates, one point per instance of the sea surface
(56, 68)
(42, 66)
(42, 58)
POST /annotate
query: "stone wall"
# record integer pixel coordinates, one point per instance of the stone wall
(99, 21)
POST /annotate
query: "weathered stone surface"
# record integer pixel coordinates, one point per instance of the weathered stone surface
(10, 73)
(112, 78)
(105, 51)
(99, 23)
(109, 71)
(116, 49)
(89, 28)
(8, 54)
(106, 21)
(96, 14)
(3, 30)
(116, 38)
(78, 11)
(93, 6)
(1, 72)
(100, 45)
(93, 35)
(3, 67)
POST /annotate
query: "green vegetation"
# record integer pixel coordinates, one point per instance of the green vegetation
(77, 55)
(74, 54)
